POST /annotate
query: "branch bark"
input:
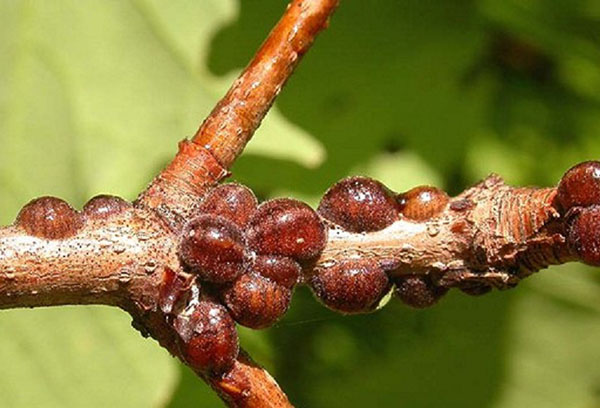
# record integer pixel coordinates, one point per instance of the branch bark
(119, 261)
(491, 234)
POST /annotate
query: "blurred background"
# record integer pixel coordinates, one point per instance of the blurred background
(94, 97)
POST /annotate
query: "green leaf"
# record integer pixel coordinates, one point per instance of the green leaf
(400, 171)
(80, 356)
(553, 350)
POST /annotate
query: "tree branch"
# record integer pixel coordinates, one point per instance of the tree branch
(120, 261)
(233, 121)
(491, 234)
(496, 233)
(109, 261)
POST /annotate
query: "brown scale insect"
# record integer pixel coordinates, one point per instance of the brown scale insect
(584, 235)
(233, 201)
(286, 227)
(256, 301)
(213, 248)
(50, 218)
(422, 203)
(580, 186)
(359, 204)
(351, 286)
(103, 206)
(280, 269)
(418, 291)
(208, 340)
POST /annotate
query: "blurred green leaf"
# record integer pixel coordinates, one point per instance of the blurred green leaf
(400, 171)
(552, 358)
(80, 356)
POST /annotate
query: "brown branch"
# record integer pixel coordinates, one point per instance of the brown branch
(201, 163)
(249, 385)
(118, 261)
(112, 262)
(235, 118)
(223, 135)
(492, 234)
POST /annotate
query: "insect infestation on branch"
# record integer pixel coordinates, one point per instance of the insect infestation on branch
(191, 258)
(241, 261)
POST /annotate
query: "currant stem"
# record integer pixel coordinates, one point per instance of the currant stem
(233, 121)
(108, 262)
(491, 234)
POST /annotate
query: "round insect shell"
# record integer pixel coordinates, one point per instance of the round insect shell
(49, 218)
(350, 286)
(359, 204)
(233, 201)
(422, 203)
(286, 227)
(280, 269)
(104, 206)
(213, 248)
(208, 340)
(418, 291)
(579, 186)
(584, 235)
(256, 301)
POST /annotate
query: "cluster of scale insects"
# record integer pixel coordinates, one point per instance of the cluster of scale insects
(247, 258)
